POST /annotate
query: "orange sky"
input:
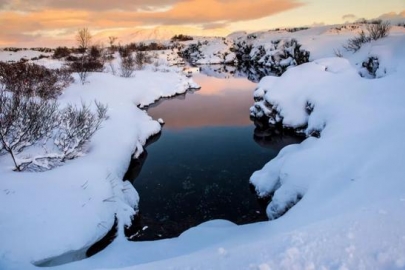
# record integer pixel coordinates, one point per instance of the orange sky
(30, 23)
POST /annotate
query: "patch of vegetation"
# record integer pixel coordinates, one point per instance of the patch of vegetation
(181, 37)
(30, 116)
(284, 53)
(27, 79)
(153, 46)
(61, 52)
(370, 67)
(375, 30)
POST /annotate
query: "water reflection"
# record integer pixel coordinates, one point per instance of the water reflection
(199, 168)
(252, 73)
(219, 102)
(273, 137)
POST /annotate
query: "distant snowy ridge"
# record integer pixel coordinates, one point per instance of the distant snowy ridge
(165, 33)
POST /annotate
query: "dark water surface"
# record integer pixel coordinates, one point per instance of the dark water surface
(198, 168)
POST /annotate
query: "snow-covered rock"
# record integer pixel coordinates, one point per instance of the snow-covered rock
(351, 114)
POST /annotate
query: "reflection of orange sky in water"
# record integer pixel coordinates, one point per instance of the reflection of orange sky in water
(220, 102)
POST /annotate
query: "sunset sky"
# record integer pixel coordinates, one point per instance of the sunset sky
(35, 23)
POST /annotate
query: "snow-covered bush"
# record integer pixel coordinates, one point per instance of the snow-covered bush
(33, 80)
(370, 67)
(76, 125)
(191, 51)
(27, 120)
(24, 121)
(277, 56)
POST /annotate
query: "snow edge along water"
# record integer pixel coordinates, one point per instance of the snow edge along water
(89, 190)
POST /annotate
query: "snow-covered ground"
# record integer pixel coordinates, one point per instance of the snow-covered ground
(16, 56)
(347, 185)
(65, 209)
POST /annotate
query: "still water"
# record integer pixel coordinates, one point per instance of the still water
(198, 168)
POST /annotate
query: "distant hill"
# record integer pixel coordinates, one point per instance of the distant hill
(158, 33)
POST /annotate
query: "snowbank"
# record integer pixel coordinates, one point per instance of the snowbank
(70, 207)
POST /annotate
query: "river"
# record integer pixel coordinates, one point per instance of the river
(198, 168)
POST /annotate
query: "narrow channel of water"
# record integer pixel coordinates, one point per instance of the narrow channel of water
(198, 168)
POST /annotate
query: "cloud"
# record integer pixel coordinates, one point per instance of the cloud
(349, 17)
(22, 18)
(89, 5)
(215, 25)
(211, 11)
(393, 17)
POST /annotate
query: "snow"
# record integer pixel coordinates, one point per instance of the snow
(212, 51)
(16, 56)
(72, 206)
(344, 191)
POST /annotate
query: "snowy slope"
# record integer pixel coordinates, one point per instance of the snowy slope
(72, 206)
(324, 41)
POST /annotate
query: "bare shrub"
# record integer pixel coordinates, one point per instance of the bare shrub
(24, 121)
(42, 49)
(61, 52)
(75, 128)
(378, 29)
(153, 46)
(181, 37)
(72, 58)
(354, 44)
(33, 80)
(85, 65)
(338, 53)
(127, 65)
(141, 58)
(13, 49)
(41, 56)
(95, 52)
